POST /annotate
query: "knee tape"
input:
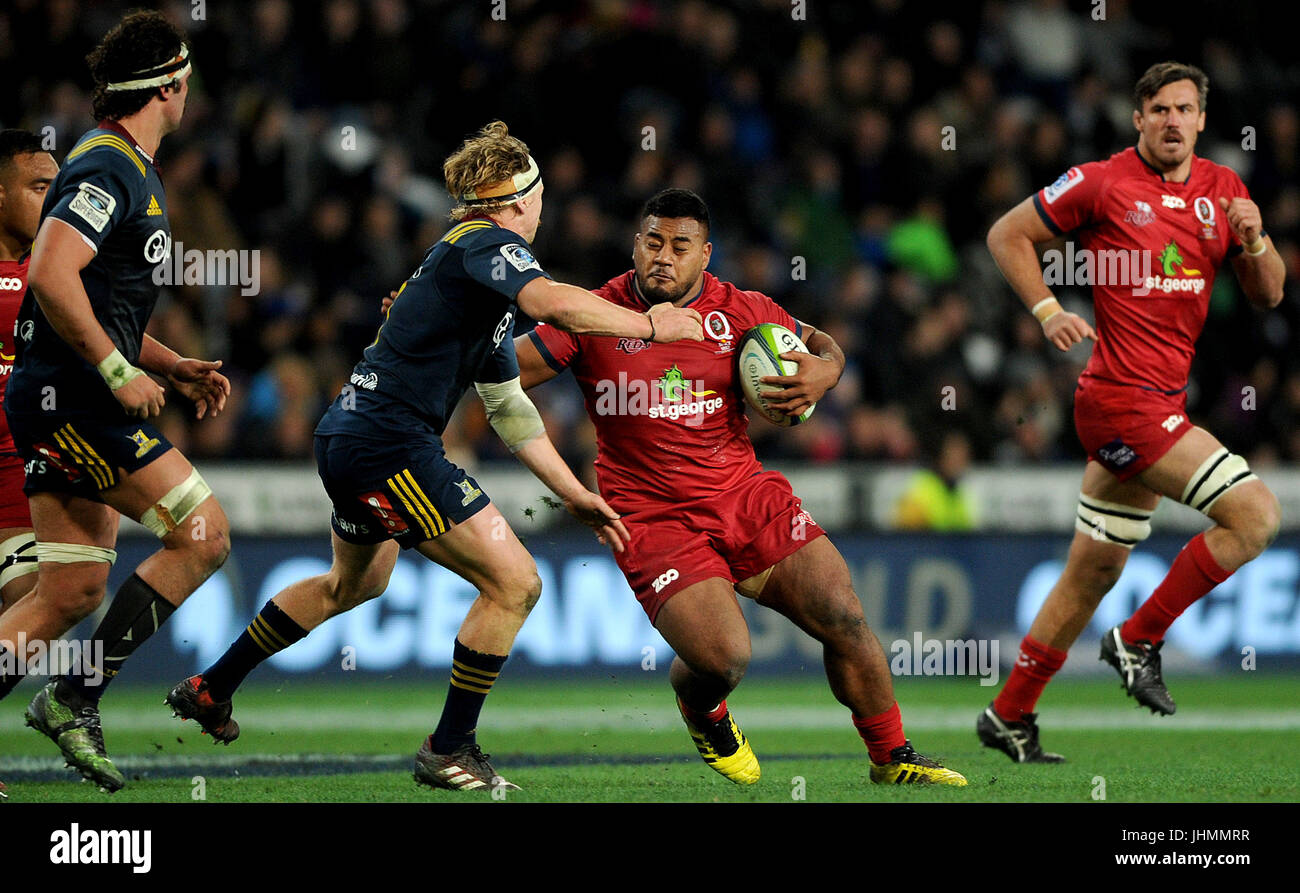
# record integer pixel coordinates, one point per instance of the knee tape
(180, 501)
(71, 553)
(17, 558)
(1112, 522)
(1216, 476)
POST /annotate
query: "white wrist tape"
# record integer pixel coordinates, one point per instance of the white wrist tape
(511, 414)
(116, 371)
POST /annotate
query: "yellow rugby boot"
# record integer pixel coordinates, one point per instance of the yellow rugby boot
(723, 746)
(906, 766)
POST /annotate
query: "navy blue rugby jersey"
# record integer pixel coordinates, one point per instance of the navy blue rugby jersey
(451, 325)
(109, 192)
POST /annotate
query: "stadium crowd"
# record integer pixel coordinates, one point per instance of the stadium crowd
(853, 161)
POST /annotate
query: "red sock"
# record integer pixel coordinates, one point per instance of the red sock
(1035, 666)
(703, 716)
(882, 733)
(1193, 574)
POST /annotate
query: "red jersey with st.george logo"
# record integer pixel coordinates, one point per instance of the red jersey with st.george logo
(670, 418)
(1154, 247)
(13, 285)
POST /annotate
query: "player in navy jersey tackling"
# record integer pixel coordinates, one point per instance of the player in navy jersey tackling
(78, 401)
(380, 454)
(1186, 215)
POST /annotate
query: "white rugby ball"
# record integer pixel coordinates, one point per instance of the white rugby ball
(759, 356)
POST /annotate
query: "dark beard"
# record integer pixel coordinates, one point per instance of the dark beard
(658, 295)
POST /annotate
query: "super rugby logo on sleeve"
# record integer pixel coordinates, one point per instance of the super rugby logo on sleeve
(519, 257)
(93, 205)
(1063, 184)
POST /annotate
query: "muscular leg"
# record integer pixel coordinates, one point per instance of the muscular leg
(64, 594)
(485, 551)
(1246, 519)
(814, 589)
(357, 574)
(195, 549)
(195, 544)
(1092, 567)
(703, 625)
(19, 586)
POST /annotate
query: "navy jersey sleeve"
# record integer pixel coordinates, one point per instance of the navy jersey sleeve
(501, 365)
(503, 266)
(98, 191)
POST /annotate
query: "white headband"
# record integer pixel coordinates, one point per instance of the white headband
(171, 70)
(510, 190)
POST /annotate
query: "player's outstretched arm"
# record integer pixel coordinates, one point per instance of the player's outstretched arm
(1259, 268)
(542, 460)
(1011, 241)
(517, 422)
(577, 310)
(59, 255)
(819, 371)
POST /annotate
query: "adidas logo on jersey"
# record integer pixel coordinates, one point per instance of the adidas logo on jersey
(153, 210)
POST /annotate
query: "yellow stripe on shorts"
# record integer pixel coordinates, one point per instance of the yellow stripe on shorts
(428, 503)
(425, 523)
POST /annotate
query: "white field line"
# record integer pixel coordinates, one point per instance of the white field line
(289, 718)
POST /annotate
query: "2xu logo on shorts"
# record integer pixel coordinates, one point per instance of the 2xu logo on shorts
(665, 578)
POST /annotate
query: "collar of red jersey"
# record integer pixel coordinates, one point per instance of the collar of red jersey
(1155, 170)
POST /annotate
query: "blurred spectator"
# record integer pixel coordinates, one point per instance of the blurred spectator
(935, 498)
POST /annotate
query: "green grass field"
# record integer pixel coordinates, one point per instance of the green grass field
(619, 739)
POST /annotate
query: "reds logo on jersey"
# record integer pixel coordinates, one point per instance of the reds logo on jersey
(630, 346)
(718, 328)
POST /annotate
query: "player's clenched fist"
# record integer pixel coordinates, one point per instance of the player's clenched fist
(1243, 217)
(1066, 329)
(673, 323)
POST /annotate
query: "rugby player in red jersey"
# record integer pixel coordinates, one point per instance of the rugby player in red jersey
(26, 171)
(705, 520)
(1186, 215)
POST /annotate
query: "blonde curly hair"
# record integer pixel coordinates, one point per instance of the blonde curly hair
(489, 157)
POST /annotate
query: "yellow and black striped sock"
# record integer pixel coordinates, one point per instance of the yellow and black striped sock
(472, 675)
(272, 630)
